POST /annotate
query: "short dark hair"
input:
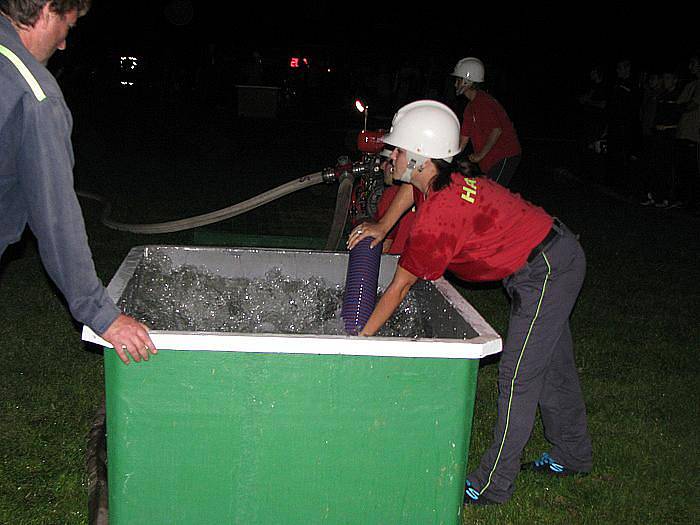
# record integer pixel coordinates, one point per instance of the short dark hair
(26, 12)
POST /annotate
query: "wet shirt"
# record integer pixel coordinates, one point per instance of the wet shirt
(475, 228)
(481, 116)
(36, 180)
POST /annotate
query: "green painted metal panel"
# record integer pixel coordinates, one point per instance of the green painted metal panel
(253, 438)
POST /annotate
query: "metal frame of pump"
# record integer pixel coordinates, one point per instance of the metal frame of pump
(366, 173)
(361, 184)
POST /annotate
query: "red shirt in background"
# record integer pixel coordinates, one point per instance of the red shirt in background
(475, 228)
(481, 116)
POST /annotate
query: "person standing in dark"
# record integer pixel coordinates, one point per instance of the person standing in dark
(664, 142)
(651, 88)
(592, 141)
(688, 138)
(486, 125)
(407, 83)
(624, 130)
(36, 167)
(593, 101)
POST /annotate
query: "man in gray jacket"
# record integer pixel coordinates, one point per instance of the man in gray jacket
(36, 167)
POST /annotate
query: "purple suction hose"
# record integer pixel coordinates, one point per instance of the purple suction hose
(361, 285)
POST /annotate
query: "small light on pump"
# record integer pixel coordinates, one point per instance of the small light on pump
(362, 108)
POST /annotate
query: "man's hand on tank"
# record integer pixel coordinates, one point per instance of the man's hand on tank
(129, 338)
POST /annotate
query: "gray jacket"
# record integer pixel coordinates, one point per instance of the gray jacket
(36, 180)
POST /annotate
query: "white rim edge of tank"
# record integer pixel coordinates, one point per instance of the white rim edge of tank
(300, 344)
(487, 342)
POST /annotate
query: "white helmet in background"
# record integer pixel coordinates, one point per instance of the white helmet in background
(425, 129)
(470, 68)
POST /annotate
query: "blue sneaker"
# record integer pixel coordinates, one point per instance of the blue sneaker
(473, 497)
(546, 465)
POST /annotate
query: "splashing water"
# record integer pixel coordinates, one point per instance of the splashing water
(188, 298)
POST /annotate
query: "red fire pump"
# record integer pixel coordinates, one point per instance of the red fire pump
(361, 184)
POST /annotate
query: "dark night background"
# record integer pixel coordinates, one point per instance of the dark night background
(537, 58)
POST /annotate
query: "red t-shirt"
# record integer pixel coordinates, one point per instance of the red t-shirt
(481, 116)
(399, 233)
(475, 228)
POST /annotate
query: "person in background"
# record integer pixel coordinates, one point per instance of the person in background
(688, 138)
(36, 167)
(624, 129)
(663, 144)
(486, 124)
(651, 88)
(593, 101)
(480, 231)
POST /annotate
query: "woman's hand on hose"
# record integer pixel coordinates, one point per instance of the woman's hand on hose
(366, 229)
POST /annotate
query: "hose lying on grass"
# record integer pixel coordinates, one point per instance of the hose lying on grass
(207, 218)
(96, 466)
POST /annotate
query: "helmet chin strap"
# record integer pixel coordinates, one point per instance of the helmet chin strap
(415, 161)
(466, 84)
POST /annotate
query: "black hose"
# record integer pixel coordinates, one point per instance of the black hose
(96, 463)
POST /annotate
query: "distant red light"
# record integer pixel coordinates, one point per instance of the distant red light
(294, 62)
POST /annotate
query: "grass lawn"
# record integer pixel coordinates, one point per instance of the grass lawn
(633, 327)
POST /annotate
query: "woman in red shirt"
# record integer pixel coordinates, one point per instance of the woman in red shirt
(480, 231)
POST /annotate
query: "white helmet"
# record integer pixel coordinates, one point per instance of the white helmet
(469, 68)
(426, 129)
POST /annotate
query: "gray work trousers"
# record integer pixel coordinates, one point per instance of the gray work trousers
(537, 367)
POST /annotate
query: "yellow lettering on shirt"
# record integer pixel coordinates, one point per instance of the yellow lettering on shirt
(469, 190)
